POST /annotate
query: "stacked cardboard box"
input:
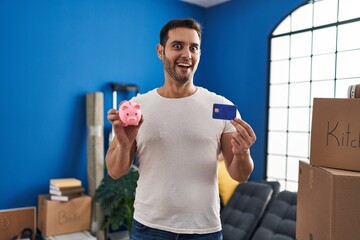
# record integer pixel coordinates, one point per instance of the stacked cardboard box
(57, 217)
(329, 187)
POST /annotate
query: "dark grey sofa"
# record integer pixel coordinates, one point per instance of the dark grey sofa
(258, 211)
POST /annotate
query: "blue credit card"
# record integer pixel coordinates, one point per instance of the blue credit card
(224, 111)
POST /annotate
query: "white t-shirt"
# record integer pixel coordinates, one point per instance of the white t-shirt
(178, 146)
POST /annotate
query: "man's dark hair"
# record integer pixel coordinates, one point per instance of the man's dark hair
(185, 22)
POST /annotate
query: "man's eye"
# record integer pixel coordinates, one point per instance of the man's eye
(194, 49)
(177, 46)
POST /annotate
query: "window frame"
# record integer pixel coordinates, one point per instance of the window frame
(289, 182)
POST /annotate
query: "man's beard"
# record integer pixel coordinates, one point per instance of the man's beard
(173, 74)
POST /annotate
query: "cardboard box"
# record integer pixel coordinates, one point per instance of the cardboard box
(14, 221)
(335, 133)
(328, 204)
(56, 217)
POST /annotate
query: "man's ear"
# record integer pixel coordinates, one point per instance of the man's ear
(160, 51)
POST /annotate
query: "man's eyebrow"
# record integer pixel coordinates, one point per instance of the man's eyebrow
(176, 42)
(181, 42)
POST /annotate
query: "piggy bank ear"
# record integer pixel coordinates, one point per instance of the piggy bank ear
(123, 103)
(137, 106)
(124, 107)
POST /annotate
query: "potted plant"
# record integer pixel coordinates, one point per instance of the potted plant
(116, 198)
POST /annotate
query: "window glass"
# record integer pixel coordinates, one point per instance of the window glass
(300, 69)
(349, 36)
(348, 64)
(299, 94)
(280, 71)
(325, 12)
(324, 89)
(301, 44)
(280, 48)
(278, 119)
(324, 40)
(278, 95)
(292, 172)
(299, 119)
(302, 18)
(277, 143)
(317, 55)
(323, 67)
(298, 144)
(291, 186)
(276, 166)
(283, 27)
(348, 9)
(342, 86)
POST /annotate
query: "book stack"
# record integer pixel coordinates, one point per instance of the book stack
(64, 189)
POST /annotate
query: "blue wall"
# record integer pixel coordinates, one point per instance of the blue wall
(54, 52)
(236, 60)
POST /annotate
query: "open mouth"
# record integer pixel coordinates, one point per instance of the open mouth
(184, 65)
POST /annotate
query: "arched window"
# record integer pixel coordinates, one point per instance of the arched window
(315, 52)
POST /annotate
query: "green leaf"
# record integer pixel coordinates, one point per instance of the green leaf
(116, 198)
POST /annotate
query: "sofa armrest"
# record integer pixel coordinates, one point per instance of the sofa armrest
(244, 210)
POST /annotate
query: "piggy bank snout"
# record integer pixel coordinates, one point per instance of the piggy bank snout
(131, 119)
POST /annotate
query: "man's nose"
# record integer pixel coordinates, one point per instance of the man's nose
(186, 53)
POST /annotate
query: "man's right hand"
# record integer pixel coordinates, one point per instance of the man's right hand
(125, 135)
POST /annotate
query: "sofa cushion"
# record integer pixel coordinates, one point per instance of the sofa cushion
(279, 221)
(244, 210)
(227, 185)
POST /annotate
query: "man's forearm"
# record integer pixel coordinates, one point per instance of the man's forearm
(241, 167)
(118, 159)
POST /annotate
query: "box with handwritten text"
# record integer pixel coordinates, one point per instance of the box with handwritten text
(57, 217)
(335, 133)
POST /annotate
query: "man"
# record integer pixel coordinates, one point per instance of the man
(178, 143)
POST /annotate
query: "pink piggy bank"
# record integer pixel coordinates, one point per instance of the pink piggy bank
(130, 113)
